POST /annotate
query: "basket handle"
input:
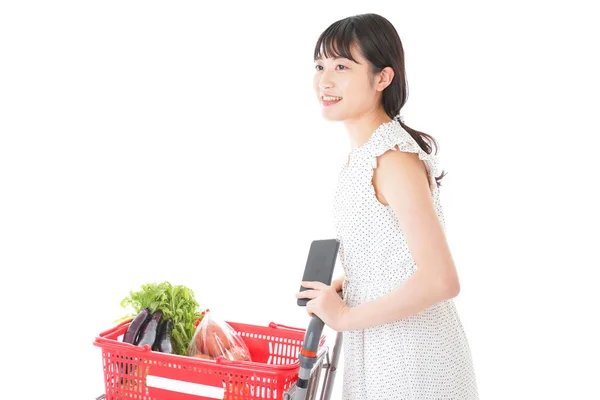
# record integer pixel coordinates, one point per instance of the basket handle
(289, 328)
(100, 342)
(114, 329)
(253, 366)
(101, 339)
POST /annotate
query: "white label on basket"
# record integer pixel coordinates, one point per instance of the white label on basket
(195, 389)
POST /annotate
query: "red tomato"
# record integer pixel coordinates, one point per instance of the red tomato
(238, 353)
(212, 339)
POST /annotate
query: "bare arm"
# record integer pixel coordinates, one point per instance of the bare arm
(401, 179)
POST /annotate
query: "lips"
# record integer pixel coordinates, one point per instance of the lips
(328, 100)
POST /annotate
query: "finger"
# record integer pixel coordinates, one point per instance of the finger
(307, 294)
(310, 307)
(315, 285)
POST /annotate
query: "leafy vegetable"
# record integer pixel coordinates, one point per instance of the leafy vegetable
(176, 302)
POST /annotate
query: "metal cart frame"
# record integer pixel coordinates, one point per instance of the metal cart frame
(311, 365)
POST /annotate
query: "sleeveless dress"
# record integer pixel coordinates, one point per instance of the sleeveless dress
(425, 356)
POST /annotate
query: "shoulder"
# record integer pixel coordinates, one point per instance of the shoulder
(392, 135)
(397, 155)
(402, 183)
(398, 169)
(394, 157)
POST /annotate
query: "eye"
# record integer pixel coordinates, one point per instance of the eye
(320, 67)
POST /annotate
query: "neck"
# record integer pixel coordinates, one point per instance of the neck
(360, 130)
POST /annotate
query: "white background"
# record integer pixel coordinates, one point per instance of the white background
(181, 141)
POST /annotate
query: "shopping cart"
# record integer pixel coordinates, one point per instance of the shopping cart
(287, 364)
(311, 365)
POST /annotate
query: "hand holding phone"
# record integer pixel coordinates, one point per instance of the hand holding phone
(320, 263)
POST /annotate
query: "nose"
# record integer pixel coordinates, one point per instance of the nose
(325, 83)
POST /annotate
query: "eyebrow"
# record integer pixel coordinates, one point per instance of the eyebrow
(334, 58)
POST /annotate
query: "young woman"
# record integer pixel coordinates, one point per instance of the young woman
(403, 338)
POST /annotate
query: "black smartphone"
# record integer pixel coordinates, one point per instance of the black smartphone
(322, 256)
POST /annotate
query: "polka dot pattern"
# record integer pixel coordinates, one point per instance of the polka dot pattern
(422, 357)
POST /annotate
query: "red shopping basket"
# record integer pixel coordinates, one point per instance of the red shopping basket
(132, 372)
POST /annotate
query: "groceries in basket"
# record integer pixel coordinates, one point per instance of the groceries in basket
(152, 329)
(214, 338)
(164, 317)
(129, 373)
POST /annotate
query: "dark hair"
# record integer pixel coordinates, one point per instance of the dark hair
(380, 44)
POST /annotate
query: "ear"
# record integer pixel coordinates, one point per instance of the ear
(384, 78)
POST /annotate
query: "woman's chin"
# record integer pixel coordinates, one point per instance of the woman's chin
(333, 117)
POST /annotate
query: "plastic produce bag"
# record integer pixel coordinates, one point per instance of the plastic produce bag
(214, 338)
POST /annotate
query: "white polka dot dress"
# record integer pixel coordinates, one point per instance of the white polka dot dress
(422, 357)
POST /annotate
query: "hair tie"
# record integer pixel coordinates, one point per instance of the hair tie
(398, 118)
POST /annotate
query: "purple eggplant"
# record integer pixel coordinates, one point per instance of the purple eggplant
(136, 326)
(163, 340)
(149, 331)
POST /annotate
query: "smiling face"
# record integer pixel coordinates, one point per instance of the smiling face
(352, 85)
